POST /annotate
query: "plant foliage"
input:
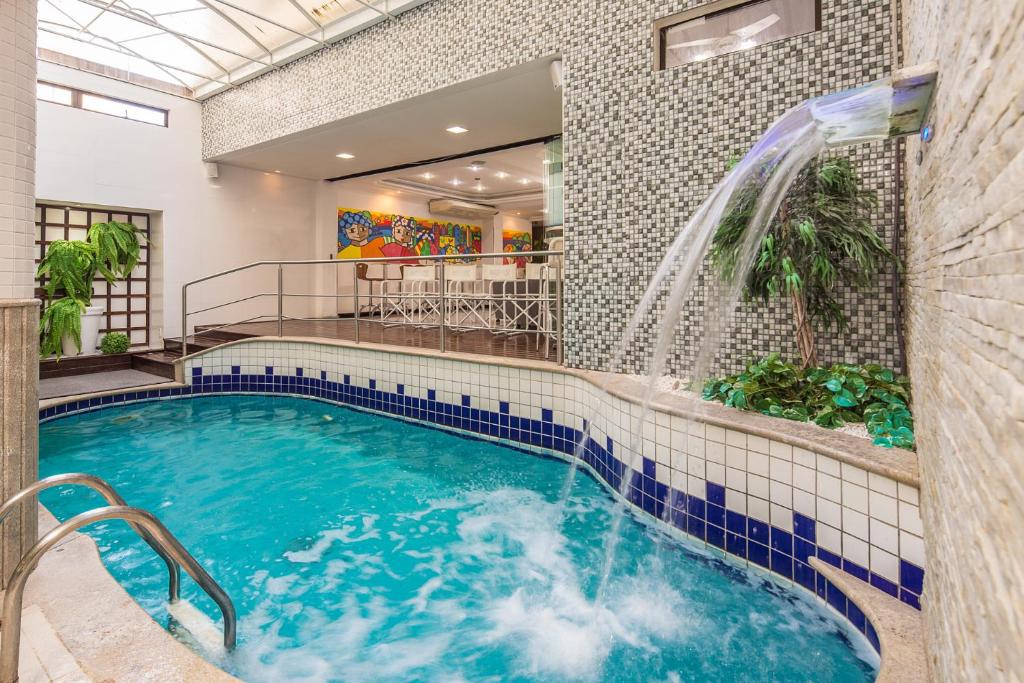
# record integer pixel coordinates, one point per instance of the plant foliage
(61, 317)
(69, 267)
(820, 240)
(830, 397)
(117, 247)
(115, 342)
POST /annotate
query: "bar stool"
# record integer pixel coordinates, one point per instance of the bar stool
(462, 297)
(502, 308)
(419, 292)
(539, 313)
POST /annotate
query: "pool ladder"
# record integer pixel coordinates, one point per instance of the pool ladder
(142, 522)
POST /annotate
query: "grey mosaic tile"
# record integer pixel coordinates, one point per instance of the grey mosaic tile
(642, 148)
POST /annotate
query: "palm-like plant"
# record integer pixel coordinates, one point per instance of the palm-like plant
(110, 250)
(821, 239)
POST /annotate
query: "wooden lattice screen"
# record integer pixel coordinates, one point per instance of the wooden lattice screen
(126, 303)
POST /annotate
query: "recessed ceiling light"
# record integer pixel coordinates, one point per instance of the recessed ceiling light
(456, 181)
(457, 130)
(345, 155)
(276, 171)
(428, 175)
(479, 188)
(524, 181)
(501, 174)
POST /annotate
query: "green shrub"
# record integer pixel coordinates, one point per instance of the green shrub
(115, 342)
(830, 397)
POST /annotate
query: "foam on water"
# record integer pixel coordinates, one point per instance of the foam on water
(404, 553)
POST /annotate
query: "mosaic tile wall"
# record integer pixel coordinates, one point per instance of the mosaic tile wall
(642, 148)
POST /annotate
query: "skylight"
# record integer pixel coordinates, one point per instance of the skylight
(204, 45)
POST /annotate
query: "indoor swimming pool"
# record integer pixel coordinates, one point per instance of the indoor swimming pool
(362, 547)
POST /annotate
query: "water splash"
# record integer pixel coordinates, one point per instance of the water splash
(772, 164)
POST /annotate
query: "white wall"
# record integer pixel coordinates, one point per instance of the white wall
(203, 225)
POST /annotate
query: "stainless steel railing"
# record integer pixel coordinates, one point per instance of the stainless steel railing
(551, 296)
(144, 523)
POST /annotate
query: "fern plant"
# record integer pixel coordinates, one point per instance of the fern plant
(117, 247)
(69, 267)
(60, 318)
(820, 240)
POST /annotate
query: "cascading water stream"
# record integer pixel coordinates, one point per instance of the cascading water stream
(772, 164)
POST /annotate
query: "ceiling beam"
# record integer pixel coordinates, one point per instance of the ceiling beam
(269, 21)
(241, 29)
(185, 38)
(117, 47)
(376, 9)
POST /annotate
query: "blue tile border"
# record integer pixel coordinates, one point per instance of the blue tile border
(704, 518)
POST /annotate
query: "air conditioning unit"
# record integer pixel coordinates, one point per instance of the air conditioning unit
(457, 207)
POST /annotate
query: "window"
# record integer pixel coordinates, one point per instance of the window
(54, 93)
(730, 26)
(102, 104)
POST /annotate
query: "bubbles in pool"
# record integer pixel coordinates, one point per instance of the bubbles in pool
(368, 549)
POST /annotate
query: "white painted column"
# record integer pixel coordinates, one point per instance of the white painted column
(19, 312)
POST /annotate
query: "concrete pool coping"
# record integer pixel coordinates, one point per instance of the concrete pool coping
(899, 627)
(109, 635)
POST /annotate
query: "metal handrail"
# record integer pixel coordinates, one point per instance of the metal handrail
(399, 260)
(10, 630)
(113, 498)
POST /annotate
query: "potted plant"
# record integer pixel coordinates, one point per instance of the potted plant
(820, 239)
(69, 323)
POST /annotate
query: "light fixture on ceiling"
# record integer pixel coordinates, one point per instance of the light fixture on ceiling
(457, 130)
(456, 182)
(345, 155)
(501, 174)
(277, 170)
(524, 181)
(427, 176)
(479, 187)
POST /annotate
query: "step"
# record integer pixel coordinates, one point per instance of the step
(173, 344)
(83, 365)
(44, 658)
(156, 363)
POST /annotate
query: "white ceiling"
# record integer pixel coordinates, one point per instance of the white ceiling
(510, 106)
(204, 45)
(511, 180)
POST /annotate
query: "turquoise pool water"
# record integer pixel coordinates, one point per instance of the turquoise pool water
(363, 548)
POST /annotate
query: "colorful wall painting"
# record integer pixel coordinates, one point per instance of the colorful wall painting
(372, 234)
(516, 241)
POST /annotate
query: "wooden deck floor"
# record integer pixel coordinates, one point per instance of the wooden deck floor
(371, 330)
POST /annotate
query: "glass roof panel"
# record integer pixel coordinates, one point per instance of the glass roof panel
(208, 45)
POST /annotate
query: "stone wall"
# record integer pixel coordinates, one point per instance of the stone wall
(965, 333)
(643, 148)
(19, 313)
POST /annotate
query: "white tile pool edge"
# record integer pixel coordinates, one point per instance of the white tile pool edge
(539, 387)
